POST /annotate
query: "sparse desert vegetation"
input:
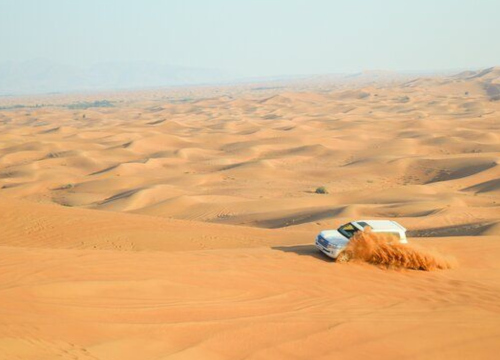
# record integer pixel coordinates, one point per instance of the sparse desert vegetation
(321, 190)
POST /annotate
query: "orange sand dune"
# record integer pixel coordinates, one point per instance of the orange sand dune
(178, 224)
(25, 224)
(281, 303)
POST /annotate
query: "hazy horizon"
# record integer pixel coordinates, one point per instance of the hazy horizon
(261, 38)
(56, 46)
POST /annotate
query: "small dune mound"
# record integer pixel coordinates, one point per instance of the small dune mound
(491, 186)
(385, 251)
(193, 153)
(492, 230)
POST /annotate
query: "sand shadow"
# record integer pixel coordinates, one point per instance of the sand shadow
(304, 250)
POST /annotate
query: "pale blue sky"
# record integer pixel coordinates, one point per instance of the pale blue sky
(256, 37)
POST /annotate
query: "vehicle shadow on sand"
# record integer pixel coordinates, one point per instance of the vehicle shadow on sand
(304, 250)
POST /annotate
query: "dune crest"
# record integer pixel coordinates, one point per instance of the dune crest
(180, 223)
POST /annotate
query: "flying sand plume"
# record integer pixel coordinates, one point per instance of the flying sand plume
(386, 251)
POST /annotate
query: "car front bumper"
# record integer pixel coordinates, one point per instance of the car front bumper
(333, 253)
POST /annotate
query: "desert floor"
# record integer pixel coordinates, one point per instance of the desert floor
(179, 225)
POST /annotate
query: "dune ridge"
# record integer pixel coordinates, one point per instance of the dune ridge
(437, 135)
(179, 224)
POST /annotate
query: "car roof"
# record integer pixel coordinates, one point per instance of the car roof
(380, 225)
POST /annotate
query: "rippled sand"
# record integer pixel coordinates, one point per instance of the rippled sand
(180, 227)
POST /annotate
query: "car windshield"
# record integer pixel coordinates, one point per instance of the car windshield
(348, 230)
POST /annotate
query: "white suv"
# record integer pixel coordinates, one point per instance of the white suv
(334, 242)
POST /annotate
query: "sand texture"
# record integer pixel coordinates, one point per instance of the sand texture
(179, 224)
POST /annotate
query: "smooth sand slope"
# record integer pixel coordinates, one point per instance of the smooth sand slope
(281, 302)
(170, 228)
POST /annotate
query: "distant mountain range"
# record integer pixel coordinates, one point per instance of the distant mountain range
(43, 76)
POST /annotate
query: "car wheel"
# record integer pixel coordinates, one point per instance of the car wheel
(343, 257)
